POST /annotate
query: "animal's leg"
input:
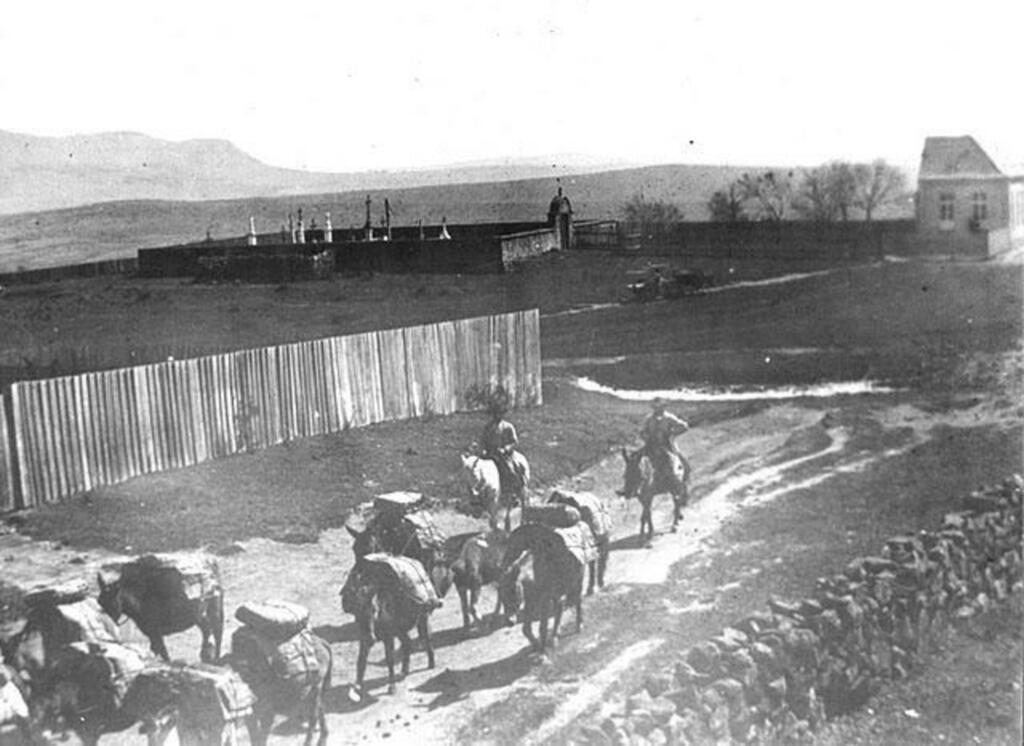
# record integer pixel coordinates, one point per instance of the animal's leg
(389, 656)
(556, 608)
(315, 704)
(527, 615)
(602, 564)
(403, 638)
(217, 625)
(464, 602)
(156, 644)
(579, 610)
(508, 518)
(423, 627)
(364, 653)
(474, 597)
(542, 622)
(592, 571)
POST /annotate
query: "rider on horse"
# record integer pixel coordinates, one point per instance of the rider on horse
(657, 432)
(499, 441)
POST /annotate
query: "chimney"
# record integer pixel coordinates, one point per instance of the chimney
(252, 231)
(328, 230)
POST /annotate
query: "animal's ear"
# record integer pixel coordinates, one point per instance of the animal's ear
(355, 534)
(100, 581)
(625, 456)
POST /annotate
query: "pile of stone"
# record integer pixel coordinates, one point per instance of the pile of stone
(776, 675)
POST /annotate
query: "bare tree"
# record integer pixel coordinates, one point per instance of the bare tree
(876, 184)
(813, 199)
(827, 192)
(771, 192)
(726, 205)
(651, 217)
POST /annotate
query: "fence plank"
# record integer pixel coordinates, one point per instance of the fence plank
(6, 463)
(71, 434)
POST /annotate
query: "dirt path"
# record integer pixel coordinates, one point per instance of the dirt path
(737, 464)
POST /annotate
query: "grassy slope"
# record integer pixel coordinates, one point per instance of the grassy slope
(117, 229)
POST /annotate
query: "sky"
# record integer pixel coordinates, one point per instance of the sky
(351, 86)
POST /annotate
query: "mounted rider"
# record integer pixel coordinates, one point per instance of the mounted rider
(498, 443)
(658, 431)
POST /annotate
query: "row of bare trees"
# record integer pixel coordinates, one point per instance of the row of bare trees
(826, 194)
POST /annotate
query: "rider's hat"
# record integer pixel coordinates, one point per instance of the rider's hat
(657, 403)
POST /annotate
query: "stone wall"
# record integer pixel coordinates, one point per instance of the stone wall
(778, 674)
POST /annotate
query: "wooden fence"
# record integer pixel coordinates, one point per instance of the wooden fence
(75, 433)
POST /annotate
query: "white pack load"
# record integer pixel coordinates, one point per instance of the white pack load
(398, 502)
(53, 594)
(555, 515)
(592, 509)
(196, 575)
(12, 704)
(404, 574)
(107, 666)
(208, 696)
(286, 666)
(278, 620)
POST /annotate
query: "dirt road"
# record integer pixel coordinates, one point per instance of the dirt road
(489, 688)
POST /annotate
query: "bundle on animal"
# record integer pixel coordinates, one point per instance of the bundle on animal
(286, 665)
(56, 615)
(165, 594)
(552, 575)
(488, 493)
(86, 690)
(645, 477)
(401, 523)
(566, 520)
(389, 595)
(594, 513)
(201, 703)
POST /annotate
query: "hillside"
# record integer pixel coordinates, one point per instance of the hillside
(118, 229)
(45, 173)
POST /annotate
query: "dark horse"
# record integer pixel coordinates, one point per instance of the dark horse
(643, 480)
(548, 574)
(383, 613)
(155, 599)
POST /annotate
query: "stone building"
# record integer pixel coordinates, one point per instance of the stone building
(966, 206)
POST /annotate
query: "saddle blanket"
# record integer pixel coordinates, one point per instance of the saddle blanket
(579, 540)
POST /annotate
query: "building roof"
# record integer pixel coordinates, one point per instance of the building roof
(956, 157)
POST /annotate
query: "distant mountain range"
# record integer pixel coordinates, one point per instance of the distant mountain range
(45, 173)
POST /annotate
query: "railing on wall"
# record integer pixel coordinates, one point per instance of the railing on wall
(76, 433)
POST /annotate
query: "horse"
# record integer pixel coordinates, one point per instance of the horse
(477, 562)
(384, 612)
(159, 605)
(405, 541)
(557, 574)
(644, 480)
(487, 490)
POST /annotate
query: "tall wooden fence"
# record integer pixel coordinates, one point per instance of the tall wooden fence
(75, 433)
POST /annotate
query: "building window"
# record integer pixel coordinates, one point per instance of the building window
(946, 210)
(979, 207)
